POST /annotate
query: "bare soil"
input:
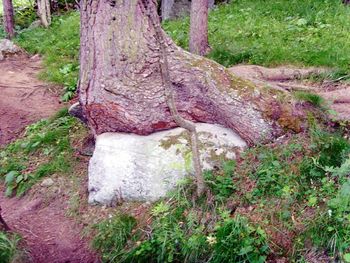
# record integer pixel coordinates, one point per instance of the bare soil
(24, 98)
(49, 235)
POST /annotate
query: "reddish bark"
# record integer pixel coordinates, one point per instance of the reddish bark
(199, 27)
(9, 21)
(121, 88)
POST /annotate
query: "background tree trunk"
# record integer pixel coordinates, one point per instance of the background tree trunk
(199, 27)
(121, 87)
(166, 8)
(44, 12)
(9, 21)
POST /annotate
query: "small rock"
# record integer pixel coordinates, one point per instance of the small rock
(47, 182)
(35, 24)
(7, 47)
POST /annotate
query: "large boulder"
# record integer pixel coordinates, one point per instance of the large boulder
(144, 168)
(7, 47)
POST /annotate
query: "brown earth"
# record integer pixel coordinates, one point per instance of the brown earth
(24, 98)
(49, 236)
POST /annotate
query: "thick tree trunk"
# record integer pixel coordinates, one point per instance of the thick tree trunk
(121, 88)
(9, 21)
(44, 12)
(199, 27)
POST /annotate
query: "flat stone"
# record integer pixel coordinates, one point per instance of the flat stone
(47, 182)
(7, 47)
(144, 168)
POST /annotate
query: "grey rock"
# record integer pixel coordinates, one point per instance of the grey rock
(144, 168)
(77, 111)
(47, 182)
(35, 24)
(7, 47)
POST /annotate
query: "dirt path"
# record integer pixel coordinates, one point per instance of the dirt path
(23, 98)
(49, 236)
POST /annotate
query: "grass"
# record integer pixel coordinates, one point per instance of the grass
(312, 98)
(9, 248)
(307, 33)
(44, 150)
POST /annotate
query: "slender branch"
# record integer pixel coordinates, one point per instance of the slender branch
(169, 94)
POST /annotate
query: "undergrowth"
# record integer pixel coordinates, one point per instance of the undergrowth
(9, 248)
(44, 150)
(271, 202)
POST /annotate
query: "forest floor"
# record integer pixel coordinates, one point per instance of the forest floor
(24, 98)
(40, 218)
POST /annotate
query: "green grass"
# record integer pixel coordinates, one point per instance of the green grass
(44, 150)
(312, 98)
(301, 32)
(9, 248)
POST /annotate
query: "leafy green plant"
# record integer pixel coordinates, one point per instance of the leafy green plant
(9, 247)
(312, 98)
(221, 183)
(47, 140)
(112, 236)
(238, 241)
(331, 228)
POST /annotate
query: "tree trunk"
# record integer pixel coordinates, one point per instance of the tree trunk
(9, 21)
(44, 12)
(166, 6)
(121, 87)
(199, 27)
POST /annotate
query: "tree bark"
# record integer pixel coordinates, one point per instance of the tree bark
(170, 99)
(199, 27)
(9, 21)
(44, 12)
(166, 8)
(121, 87)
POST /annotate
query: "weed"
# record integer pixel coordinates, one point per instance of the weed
(44, 150)
(113, 235)
(312, 98)
(8, 247)
(238, 241)
(221, 182)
